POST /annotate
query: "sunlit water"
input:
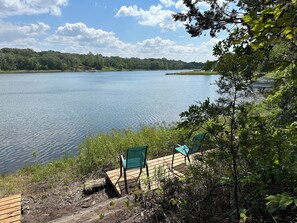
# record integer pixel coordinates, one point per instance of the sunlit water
(44, 116)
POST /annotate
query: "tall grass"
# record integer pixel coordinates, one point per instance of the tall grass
(101, 152)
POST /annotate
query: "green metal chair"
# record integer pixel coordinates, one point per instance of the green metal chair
(187, 151)
(135, 158)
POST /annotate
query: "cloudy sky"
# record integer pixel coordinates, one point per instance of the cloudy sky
(126, 28)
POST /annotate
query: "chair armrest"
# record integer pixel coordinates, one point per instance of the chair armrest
(178, 145)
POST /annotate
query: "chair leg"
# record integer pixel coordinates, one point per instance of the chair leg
(172, 157)
(147, 174)
(121, 171)
(126, 184)
(188, 158)
(137, 179)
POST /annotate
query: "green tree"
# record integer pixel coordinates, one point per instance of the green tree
(258, 146)
(209, 65)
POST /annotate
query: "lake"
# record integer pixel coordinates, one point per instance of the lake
(46, 115)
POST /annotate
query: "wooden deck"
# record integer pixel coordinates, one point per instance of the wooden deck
(158, 169)
(10, 209)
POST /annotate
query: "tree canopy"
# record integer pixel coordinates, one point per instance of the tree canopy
(27, 59)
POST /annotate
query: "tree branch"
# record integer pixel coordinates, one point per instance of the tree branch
(205, 198)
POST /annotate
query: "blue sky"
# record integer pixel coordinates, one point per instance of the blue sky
(125, 28)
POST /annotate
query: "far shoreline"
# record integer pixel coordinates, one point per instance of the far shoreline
(72, 71)
(195, 73)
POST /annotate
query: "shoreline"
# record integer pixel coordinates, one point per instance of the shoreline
(195, 73)
(74, 71)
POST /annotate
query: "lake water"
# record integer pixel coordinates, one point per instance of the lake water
(43, 116)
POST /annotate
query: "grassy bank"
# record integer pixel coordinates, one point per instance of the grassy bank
(194, 73)
(96, 155)
(27, 71)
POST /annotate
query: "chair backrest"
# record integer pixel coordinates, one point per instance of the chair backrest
(197, 141)
(136, 157)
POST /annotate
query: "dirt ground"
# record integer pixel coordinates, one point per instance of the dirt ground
(70, 204)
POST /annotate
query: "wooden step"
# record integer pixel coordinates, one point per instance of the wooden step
(10, 209)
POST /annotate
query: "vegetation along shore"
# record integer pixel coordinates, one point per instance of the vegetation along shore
(12, 59)
(194, 72)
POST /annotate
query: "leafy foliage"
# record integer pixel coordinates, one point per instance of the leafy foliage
(27, 59)
(255, 141)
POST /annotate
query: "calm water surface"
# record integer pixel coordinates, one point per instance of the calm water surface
(49, 115)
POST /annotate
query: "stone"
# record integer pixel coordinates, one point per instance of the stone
(92, 186)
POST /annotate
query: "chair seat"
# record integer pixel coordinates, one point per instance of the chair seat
(183, 150)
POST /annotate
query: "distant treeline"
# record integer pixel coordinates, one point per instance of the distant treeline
(12, 59)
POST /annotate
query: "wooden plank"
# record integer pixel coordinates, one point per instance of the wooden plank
(5, 203)
(10, 198)
(10, 202)
(10, 215)
(10, 206)
(12, 219)
(9, 210)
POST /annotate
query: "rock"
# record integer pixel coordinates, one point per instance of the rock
(92, 186)
(25, 201)
(87, 199)
(85, 205)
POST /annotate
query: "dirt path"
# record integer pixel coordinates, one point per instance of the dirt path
(44, 204)
(113, 210)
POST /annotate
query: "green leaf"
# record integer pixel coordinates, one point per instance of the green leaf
(243, 216)
(173, 201)
(277, 12)
(271, 197)
(287, 30)
(247, 18)
(285, 201)
(258, 27)
(276, 161)
(289, 36)
(272, 209)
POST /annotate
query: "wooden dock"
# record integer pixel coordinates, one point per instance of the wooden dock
(10, 209)
(159, 169)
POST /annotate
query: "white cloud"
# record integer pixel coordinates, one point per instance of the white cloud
(129, 11)
(34, 29)
(31, 7)
(154, 16)
(77, 37)
(180, 6)
(167, 3)
(11, 32)
(159, 48)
